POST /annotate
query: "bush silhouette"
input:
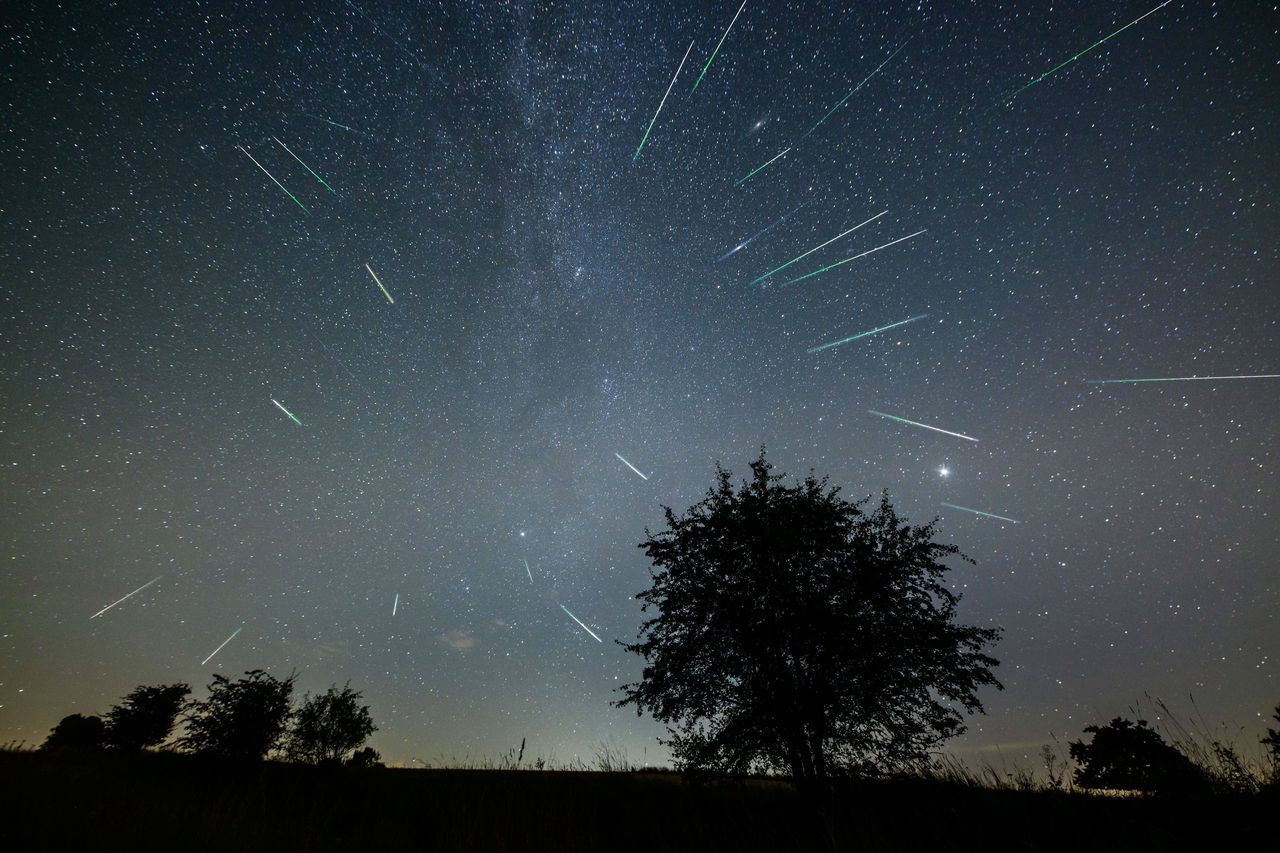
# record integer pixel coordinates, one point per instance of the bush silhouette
(243, 719)
(76, 732)
(326, 728)
(145, 717)
(365, 759)
(794, 631)
(1132, 757)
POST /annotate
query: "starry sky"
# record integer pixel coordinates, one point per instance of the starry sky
(562, 302)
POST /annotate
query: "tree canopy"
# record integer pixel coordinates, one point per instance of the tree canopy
(245, 718)
(795, 630)
(1130, 757)
(328, 727)
(145, 716)
(76, 732)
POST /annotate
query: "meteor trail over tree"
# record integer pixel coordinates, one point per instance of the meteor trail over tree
(854, 258)
(286, 411)
(130, 595)
(1096, 44)
(740, 181)
(717, 50)
(866, 334)
(660, 105)
(273, 178)
(305, 166)
(580, 622)
(224, 643)
(379, 283)
(629, 465)
(980, 512)
(1183, 379)
(925, 426)
(816, 248)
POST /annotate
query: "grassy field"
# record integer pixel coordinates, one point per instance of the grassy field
(173, 802)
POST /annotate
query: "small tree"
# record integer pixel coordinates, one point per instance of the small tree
(1132, 757)
(76, 732)
(328, 727)
(145, 717)
(1272, 742)
(794, 631)
(365, 759)
(242, 719)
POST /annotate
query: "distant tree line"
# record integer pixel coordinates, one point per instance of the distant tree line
(247, 718)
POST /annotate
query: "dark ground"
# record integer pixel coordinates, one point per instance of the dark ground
(172, 802)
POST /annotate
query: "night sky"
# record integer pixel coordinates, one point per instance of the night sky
(562, 302)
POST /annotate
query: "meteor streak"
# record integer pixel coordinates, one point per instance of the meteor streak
(379, 281)
(1096, 44)
(130, 595)
(286, 411)
(811, 251)
(717, 50)
(395, 605)
(851, 92)
(224, 643)
(866, 334)
(305, 166)
(1183, 379)
(629, 465)
(741, 180)
(854, 258)
(660, 105)
(980, 512)
(917, 423)
(750, 240)
(273, 177)
(579, 621)
(528, 570)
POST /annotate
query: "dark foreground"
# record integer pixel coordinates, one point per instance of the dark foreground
(172, 802)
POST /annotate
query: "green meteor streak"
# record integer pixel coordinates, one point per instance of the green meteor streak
(379, 283)
(1091, 47)
(816, 248)
(286, 411)
(1182, 379)
(740, 181)
(852, 91)
(717, 50)
(854, 258)
(308, 168)
(980, 512)
(661, 104)
(273, 178)
(866, 334)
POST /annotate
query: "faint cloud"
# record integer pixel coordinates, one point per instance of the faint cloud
(459, 640)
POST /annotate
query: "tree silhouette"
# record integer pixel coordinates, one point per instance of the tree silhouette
(145, 717)
(794, 631)
(76, 732)
(242, 719)
(1133, 758)
(328, 727)
(365, 759)
(1272, 742)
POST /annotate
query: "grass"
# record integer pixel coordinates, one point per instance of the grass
(168, 801)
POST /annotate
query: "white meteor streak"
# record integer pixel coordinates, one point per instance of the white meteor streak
(224, 643)
(980, 512)
(395, 604)
(579, 621)
(926, 426)
(629, 465)
(530, 571)
(1183, 379)
(130, 595)
(286, 411)
(379, 282)
(816, 248)
(854, 258)
(664, 101)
